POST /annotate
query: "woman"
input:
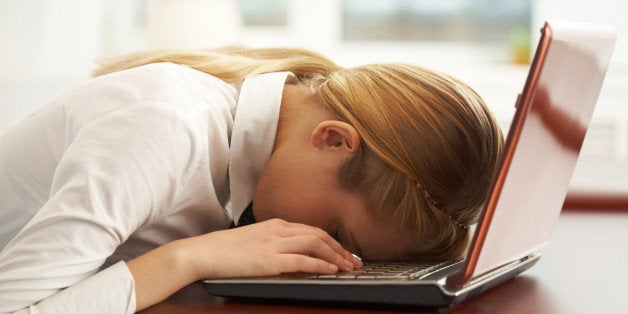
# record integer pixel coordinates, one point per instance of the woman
(121, 191)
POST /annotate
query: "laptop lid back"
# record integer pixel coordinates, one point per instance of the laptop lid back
(542, 147)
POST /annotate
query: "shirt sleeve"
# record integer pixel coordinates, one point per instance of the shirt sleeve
(118, 173)
(108, 291)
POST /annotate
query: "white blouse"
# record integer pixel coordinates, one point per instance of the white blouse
(118, 166)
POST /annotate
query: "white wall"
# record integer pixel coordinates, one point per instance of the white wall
(45, 46)
(611, 12)
(604, 160)
(48, 46)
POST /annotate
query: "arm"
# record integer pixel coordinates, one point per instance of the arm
(118, 173)
(268, 248)
(109, 184)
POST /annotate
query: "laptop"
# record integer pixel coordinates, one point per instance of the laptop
(542, 146)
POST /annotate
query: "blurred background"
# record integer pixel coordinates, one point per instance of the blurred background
(49, 46)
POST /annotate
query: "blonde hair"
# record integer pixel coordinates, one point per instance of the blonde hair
(230, 63)
(430, 144)
(431, 150)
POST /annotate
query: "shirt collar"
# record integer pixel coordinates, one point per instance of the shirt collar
(253, 136)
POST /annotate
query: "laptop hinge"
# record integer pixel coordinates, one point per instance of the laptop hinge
(490, 275)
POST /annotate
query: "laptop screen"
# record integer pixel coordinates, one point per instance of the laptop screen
(542, 147)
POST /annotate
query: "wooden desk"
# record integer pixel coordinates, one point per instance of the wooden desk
(584, 269)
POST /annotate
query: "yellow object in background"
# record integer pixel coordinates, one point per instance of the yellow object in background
(519, 38)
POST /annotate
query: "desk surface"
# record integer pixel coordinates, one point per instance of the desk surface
(584, 269)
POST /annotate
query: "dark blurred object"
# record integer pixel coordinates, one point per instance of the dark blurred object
(596, 201)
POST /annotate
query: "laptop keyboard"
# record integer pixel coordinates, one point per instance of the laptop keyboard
(385, 270)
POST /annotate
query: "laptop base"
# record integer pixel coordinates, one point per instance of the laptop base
(424, 294)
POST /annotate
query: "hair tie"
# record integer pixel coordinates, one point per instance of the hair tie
(431, 200)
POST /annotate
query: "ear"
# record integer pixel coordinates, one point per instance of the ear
(335, 136)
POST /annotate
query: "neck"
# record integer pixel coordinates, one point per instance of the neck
(298, 116)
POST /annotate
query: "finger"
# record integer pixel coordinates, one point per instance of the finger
(312, 245)
(290, 263)
(357, 261)
(287, 229)
(293, 229)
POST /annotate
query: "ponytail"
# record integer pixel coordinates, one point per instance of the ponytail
(230, 64)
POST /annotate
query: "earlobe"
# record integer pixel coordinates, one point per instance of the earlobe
(336, 135)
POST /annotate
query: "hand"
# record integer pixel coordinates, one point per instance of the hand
(272, 247)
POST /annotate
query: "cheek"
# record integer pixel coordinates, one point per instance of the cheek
(267, 196)
(296, 208)
(323, 218)
(277, 194)
(292, 201)
(291, 190)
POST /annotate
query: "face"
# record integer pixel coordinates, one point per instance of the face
(300, 187)
(299, 182)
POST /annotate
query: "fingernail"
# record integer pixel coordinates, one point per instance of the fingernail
(357, 261)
